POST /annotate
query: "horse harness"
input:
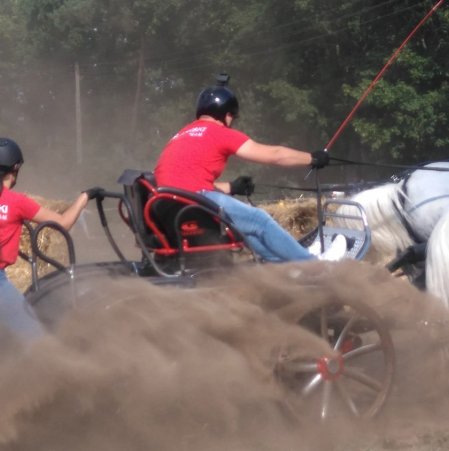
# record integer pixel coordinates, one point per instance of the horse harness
(400, 209)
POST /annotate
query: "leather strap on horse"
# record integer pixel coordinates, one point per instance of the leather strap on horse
(400, 209)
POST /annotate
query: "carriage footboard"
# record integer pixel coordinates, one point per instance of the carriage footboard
(334, 222)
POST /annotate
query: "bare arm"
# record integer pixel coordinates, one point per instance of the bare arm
(68, 217)
(277, 155)
(225, 187)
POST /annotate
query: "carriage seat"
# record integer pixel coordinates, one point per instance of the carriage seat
(129, 177)
(172, 219)
(201, 200)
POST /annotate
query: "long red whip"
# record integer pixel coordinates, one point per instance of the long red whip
(379, 75)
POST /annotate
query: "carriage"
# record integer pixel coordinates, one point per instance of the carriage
(187, 241)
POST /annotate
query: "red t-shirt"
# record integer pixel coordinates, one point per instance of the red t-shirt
(14, 209)
(196, 156)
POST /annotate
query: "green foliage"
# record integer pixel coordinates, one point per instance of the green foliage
(292, 100)
(405, 119)
(298, 67)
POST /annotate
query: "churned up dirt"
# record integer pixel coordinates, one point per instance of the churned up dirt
(133, 366)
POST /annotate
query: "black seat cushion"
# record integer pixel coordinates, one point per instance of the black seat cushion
(196, 223)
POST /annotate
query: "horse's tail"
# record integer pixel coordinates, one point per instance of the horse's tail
(437, 280)
(381, 205)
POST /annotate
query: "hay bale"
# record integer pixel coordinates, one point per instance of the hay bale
(50, 242)
(298, 216)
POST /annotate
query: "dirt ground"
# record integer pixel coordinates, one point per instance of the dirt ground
(137, 367)
(133, 366)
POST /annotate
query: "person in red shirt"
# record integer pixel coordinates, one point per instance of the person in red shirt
(197, 155)
(15, 208)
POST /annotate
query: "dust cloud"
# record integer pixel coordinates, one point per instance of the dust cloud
(135, 366)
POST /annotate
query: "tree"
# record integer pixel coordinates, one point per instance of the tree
(298, 67)
(405, 118)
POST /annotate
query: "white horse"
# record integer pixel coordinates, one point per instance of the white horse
(414, 210)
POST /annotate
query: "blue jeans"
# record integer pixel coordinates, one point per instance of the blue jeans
(15, 314)
(266, 237)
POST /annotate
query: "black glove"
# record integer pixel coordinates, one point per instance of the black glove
(94, 193)
(320, 158)
(242, 185)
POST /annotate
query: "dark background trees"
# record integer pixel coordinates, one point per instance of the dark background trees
(298, 67)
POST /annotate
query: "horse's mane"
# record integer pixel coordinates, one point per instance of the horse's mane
(383, 210)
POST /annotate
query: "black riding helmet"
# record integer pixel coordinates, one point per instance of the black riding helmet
(217, 101)
(11, 157)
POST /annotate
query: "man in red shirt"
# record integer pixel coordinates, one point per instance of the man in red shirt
(15, 208)
(197, 155)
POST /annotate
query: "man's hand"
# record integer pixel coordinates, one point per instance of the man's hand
(320, 159)
(94, 193)
(242, 185)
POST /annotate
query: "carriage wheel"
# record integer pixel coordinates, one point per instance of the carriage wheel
(356, 380)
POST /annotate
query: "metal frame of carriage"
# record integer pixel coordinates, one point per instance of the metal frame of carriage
(183, 237)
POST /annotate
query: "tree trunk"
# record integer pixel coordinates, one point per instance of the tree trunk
(79, 129)
(135, 112)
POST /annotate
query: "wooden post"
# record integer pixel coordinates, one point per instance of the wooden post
(79, 129)
(135, 112)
